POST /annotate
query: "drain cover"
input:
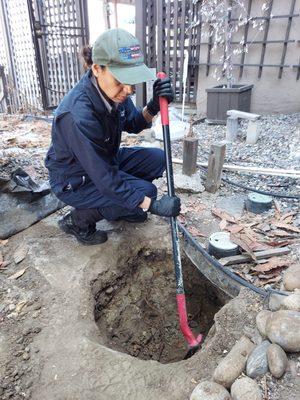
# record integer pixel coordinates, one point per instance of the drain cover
(220, 245)
(258, 203)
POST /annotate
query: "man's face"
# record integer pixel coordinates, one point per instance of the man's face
(114, 90)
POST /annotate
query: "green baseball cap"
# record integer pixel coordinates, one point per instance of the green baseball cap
(121, 53)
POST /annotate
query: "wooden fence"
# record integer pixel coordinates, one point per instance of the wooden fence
(166, 30)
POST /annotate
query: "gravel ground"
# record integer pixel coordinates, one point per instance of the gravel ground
(278, 147)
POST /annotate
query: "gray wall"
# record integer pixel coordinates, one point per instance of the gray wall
(270, 94)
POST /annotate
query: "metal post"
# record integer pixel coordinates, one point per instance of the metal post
(39, 65)
(5, 91)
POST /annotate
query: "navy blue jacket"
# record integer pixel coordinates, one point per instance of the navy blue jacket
(86, 139)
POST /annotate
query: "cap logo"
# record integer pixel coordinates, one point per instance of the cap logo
(130, 53)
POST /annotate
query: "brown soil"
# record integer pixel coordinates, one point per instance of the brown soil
(136, 310)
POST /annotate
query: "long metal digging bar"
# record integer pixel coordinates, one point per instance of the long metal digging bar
(192, 341)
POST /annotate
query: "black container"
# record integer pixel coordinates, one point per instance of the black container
(220, 246)
(258, 203)
(220, 99)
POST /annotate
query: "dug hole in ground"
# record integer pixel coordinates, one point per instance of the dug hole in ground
(51, 347)
(101, 322)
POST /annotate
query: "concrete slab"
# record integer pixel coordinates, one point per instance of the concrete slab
(192, 184)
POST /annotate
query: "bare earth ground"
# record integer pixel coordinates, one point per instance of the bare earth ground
(51, 346)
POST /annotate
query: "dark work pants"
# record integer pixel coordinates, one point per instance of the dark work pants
(139, 166)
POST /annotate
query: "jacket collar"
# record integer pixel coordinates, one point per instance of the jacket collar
(93, 94)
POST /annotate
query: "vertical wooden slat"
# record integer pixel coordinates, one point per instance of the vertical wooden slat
(168, 28)
(198, 49)
(73, 40)
(37, 53)
(8, 42)
(160, 28)
(209, 47)
(141, 35)
(287, 34)
(175, 37)
(264, 44)
(42, 45)
(298, 72)
(245, 38)
(182, 47)
(189, 48)
(152, 33)
(67, 82)
(55, 53)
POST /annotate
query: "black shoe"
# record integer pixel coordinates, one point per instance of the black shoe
(135, 218)
(88, 236)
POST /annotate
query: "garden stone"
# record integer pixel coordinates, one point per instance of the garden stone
(277, 360)
(209, 391)
(234, 363)
(284, 329)
(275, 301)
(257, 363)
(245, 389)
(292, 302)
(291, 278)
(261, 320)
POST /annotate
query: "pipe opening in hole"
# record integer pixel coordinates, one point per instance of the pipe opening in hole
(136, 311)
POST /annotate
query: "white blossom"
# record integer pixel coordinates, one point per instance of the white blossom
(221, 31)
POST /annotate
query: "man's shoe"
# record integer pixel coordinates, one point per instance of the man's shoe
(135, 218)
(89, 236)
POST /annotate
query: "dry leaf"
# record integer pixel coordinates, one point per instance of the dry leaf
(239, 274)
(240, 242)
(181, 219)
(271, 280)
(274, 262)
(288, 217)
(18, 274)
(199, 207)
(183, 209)
(4, 264)
(273, 274)
(279, 243)
(223, 215)
(263, 227)
(250, 234)
(20, 253)
(19, 306)
(280, 233)
(235, 228)
(195, 232)
(223, 224)
(277, 208)
(280, 224)
(3, 242)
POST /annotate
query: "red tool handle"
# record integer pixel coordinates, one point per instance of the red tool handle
(163, 103)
